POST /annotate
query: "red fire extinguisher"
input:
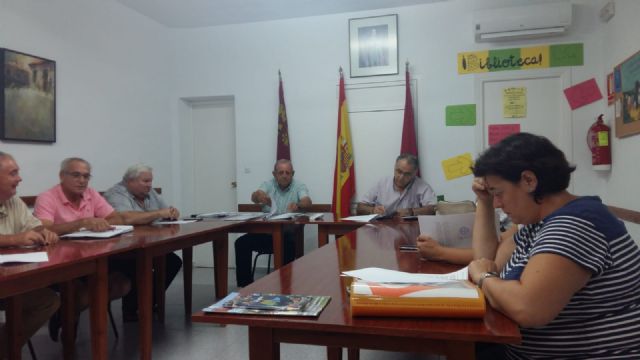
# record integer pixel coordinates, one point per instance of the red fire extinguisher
(598, 140)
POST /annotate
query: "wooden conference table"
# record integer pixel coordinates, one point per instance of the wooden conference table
(318, 273)
(68, 260)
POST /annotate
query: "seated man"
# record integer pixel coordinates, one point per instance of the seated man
(403, 194)
(135, 193)
(285, 195)
(19, 228)
(70, 206)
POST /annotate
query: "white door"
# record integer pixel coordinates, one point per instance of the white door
(547, 112)
(208, 161)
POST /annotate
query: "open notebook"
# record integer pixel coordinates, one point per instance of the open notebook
(84, 234)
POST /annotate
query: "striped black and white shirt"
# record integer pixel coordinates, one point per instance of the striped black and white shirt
(602, 320)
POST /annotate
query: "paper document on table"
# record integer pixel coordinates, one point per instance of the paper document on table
(285, 216)
(316, 216)
(40, 256)
(392, 276)
(361, 218)
(171, 222)
(115, 231)
(448, 230)
(219, 214)
(245, 216)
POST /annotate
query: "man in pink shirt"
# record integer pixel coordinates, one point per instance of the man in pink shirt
(70, 206)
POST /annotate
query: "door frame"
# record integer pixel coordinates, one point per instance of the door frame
(564, 74)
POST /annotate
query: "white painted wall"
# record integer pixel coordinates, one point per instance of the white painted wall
(120, 77)
(112, 88)
(243, 60)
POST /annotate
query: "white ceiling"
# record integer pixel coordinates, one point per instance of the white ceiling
(201, 13)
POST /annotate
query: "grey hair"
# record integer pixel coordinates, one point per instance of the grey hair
(282, 161)
(4, 155)
(64, 165)
(135, 170)
(410, 159)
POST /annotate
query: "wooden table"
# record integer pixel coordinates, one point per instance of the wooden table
(329, 225)
(318, 273)
(68, 260)
(157, 241)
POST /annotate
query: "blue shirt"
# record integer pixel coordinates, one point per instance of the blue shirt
(282, 198)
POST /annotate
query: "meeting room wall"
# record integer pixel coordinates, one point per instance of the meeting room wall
(112, 98)
(243, 60)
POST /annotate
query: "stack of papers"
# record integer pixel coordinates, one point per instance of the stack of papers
(40, 256)
(361, 218)
(392, 276)
(245, 216)
(115, 231)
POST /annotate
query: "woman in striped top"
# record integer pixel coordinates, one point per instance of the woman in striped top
(570, 277)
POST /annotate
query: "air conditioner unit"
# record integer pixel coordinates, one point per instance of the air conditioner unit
(522, 22)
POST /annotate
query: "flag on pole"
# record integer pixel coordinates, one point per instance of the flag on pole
(408, 145)
(283, 129)
(344, 179)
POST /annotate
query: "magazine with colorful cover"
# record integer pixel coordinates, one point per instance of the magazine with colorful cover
(270, 304)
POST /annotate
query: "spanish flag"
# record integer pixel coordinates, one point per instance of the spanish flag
(344, 179)
(409, 144)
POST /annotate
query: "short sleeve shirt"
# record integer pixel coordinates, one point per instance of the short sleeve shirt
(122, 200)
(15, 217)
(54, 206)
(282, 198)
(416, 194)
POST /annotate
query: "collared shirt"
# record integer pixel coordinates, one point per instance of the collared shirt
(15, 217)
(417, 194)
(282, 198)
(54, 206)
(122, 200)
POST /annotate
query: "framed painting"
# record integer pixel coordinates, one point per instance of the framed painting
(626, 83)
(373, 45)
(28, 103)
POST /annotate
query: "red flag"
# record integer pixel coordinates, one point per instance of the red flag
(409, 145)
(283, 129)
(344, 179)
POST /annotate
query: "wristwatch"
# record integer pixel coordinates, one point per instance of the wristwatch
(487, 275)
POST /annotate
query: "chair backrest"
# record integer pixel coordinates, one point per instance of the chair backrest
(455, 207)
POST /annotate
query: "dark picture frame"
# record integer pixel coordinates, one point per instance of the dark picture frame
(373, 46)
(28, 102)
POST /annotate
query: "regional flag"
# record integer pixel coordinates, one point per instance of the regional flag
(344, 179)
(282, 151)
(408, 145)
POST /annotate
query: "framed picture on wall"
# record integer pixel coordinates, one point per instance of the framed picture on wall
(28, 102)
(373, 45)
(626, 84)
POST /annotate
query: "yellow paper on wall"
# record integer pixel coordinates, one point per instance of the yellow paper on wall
(457, 166)
(514, 102)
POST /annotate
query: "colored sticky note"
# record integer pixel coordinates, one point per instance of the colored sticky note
(566, 55)
(460, 115)
(457, 166)
(501, 131)
(582, 94)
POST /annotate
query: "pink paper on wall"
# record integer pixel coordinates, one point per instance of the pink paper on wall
(582, 94)
(499, 132)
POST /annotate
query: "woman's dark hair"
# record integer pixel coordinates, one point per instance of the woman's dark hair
(524, 151)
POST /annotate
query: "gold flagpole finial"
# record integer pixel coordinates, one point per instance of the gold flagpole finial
(340, 70)
(406, 65)
(279, 75)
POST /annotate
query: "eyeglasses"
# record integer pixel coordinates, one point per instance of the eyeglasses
(78, 175)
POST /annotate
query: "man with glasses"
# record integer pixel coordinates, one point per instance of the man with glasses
(403, 194)
(71, 206)
(279, 195)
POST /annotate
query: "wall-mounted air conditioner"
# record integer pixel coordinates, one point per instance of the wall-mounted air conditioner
(522, 22)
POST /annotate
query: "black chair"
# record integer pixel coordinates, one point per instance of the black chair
(255, 260)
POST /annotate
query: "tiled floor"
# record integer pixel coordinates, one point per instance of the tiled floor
(178, 338)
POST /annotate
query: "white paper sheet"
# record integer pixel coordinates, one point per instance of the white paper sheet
(171, 222)
(392, 276)
(117, 230)
(361, 218)
(40, 256)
